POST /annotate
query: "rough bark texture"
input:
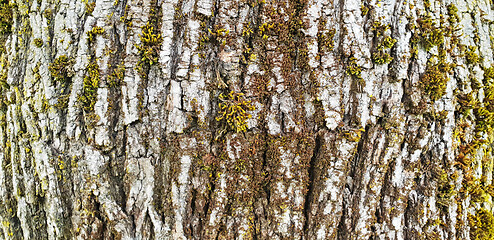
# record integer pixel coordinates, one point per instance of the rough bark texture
(246, 119)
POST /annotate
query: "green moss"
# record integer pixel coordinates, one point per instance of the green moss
(379, 28)
(478, 192)
(48, 14)
(5, 17)
(325, 40)
(220, 34)
(380, 54)
(61, 68)
(233, 109)
(433, 38)
(430, 35)
(95, 31)
(62, 101)
(427, 3)
(116, 77)
(481, 225)
(381, 57)
(364, 10)
(89, 7)
(388, 42)
(484, 114)
(37, 76)
(248, 56)
(484, 119)
(466, 102)
(150, 45)
(453, 13)
(475, 83)
(488, 75)
(434, 80)
(38, 42)
(90, 86)
(352, 135)
(471, 55)
(353, 69)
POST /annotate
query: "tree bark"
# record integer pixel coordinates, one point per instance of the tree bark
(246, 119)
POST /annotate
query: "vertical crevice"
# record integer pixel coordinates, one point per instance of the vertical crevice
(349, 205)
(310, 187)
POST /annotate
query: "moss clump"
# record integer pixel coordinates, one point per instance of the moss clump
(5, 17)
(116, 77)
(63, 101)
(484, 113)
(477, 191)
(471, 55)
(434, 80)
(466, 102)
(89, 7)
(481, 225)
(380, 54)
(233, 110)
(61, 68)
(427, 4)
(150, 44)
(353, 69)
(220, 34)
(364, 10)
(48, 14)
(453, 13)
(95, 31)
(38, 42)
(488, 75)
(325, 40)
(379, 28)
(484, 119)
(433, 38)
(381, 57)
(90, 86)
(388, 42)
(430, 35)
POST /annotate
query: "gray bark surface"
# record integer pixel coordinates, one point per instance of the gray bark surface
(246, 119)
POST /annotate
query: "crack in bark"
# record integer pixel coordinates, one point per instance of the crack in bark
(310, 188)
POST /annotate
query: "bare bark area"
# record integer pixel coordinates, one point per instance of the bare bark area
(246, 119)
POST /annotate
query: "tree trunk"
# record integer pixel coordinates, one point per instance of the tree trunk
(246, 119)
